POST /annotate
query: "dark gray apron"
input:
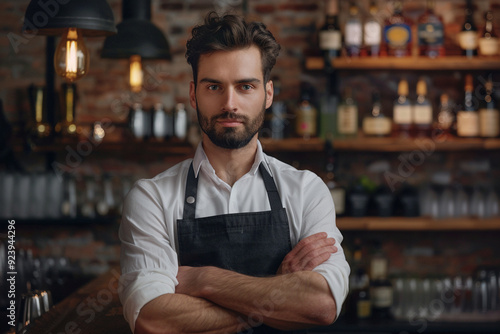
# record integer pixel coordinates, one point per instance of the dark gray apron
(252, 243)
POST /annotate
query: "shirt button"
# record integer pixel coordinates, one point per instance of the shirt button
(190, 199)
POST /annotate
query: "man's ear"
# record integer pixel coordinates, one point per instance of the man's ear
(269, 93)
(192, 94)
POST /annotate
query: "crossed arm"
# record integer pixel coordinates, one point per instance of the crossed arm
(214, 300)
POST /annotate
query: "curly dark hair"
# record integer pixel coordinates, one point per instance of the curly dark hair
(231, 32)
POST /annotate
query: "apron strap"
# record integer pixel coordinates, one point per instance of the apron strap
(272, 191)
(190, 197)
(192, 187)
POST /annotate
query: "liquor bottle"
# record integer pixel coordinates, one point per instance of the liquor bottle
(159, 122)
(468, 118)
(430, 33)
(278, 112)
(330, 37)
(397, 33)
(139, 122)
(422, 111)
(488, 42)
(468, 38)
(489, 120)
(403, 111)
(359, 283)
(328, 110)
(377, 124)
(337, 191)
(353, 35)
(180, 121)
(445, 118)
(381, 290)
(347, 116)
(372, 32)
(306, 113)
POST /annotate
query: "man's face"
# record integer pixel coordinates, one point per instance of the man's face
(230, 96)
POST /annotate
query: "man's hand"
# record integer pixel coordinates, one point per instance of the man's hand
(308, 254)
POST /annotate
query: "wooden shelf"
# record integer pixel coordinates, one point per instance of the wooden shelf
(417, 224)
(450, 63)
(284, 145)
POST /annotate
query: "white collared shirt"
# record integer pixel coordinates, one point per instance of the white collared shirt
(153, 206)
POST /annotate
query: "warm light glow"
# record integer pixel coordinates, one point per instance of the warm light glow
(135, 73)
(72, 58)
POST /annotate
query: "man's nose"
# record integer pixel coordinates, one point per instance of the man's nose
(230, 100)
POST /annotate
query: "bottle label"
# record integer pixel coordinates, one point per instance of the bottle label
(397, 35)
(422, 114)
(381, 296)
(364, 309)
(306, 121)
(353, 34)
(430, 34)
(377, 126)
(489, 122)
(347, 119)
(373, 33)
(488, 46)
(330, 40)
(467, 124)
(402, 114)
(468, 40)
(338, 195)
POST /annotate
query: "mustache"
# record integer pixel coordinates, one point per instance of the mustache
(230, 115)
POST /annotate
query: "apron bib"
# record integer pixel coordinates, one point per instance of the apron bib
(252, 243)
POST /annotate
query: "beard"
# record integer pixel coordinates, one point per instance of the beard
(231, 138)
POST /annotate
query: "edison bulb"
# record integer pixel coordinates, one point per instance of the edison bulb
(136, 74)
(72, 57)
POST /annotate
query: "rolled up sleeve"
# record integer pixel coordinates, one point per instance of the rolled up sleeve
(148, 259)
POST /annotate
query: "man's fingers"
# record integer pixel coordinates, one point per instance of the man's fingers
(308, 245)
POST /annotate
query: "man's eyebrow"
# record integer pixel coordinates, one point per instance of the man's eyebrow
(240, 81)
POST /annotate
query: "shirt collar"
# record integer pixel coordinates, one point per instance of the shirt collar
(200, 159)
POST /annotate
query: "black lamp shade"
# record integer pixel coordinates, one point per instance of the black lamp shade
(93, 17)
(137, 35)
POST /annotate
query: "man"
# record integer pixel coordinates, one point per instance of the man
(232, 240)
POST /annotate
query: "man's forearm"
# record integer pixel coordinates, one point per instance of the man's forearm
(290, 301)
(180, 313)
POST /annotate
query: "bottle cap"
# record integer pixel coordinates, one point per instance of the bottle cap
(421, 87)
(444, 98)
(403, 87)
(469, 83)
(332, 7)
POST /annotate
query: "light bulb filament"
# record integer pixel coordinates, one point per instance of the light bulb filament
(136, 74)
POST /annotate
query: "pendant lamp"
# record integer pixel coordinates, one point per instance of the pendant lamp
(72, 20)
(137, 38)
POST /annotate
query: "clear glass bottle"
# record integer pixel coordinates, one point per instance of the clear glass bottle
(489, 117)
(306, 113)
(445, 119)
(430, 33)
(468, 117)
(468, 37)
(159, 122)
(397, 33)
(372, 32)
(180, 121)
(403, 111)
(353, 32)
(377, 124)
(330, 37)
(422, 111)
(347, 116)
(488, 42)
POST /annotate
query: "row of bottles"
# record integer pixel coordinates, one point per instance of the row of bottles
(445, 195)
(477, 116)
(160, 123)
(370, 36)
(375, 297)
(50, 196)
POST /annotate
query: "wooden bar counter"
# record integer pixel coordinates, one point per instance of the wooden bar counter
(93, 309)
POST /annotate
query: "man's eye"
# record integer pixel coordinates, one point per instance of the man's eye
(213, 87)
(246, 87)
